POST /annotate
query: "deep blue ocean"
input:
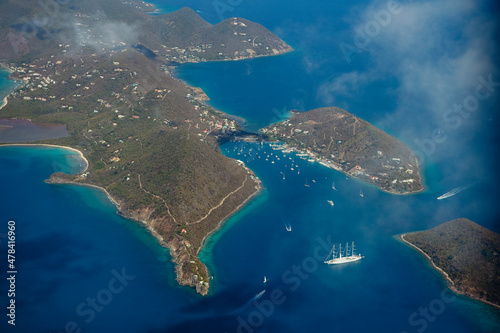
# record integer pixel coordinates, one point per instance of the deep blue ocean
(82, 268)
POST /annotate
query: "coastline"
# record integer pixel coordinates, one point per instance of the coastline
(240, 120)
(108, 195)
(148, 224)
(221, 222)
(323, 162)
(53, 146)
(19, 83)
(4, 102)
(450, 282)
(374, 185)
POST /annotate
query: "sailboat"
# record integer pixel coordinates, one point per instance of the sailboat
(337, 257)
(333, 186)
(361, 193)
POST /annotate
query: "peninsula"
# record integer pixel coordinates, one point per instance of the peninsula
(342, 141)
(103, 70)
(467, 254)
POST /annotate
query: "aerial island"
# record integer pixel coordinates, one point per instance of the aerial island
(342, 141)
(102, 70)
(100, 74)
(467, 254)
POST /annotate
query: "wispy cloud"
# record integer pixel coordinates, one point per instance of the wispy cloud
(436, 50)
(442, 47)
(344, 85)
(102, 34)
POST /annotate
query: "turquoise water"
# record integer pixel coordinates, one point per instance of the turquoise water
(71, 243)
(6, 85)
(69, 240)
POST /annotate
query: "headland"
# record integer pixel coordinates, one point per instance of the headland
(341, 141)
(466, 254)
(149, 140)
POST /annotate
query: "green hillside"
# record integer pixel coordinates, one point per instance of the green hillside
(468, 253)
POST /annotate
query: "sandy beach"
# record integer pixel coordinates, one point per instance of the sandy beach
(4, 102)
(54, 146)
(19, 83)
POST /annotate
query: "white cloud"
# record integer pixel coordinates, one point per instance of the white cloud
(344, 85)
(434, 49)
(104, 34)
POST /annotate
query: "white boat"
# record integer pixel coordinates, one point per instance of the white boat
(333, 186)
(342, 256)
(265, 279)
(330, 202)
(455, 191)
(361, 193)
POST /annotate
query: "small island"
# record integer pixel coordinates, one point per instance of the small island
(342, 141)
(467, 254)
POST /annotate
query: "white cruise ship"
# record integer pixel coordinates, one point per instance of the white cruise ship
(342, 256)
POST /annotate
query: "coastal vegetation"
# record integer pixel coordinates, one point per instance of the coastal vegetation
(350, 144)
(103, 68)
(468, 253)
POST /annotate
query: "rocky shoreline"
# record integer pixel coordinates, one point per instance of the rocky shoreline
(458, 288)
(176, 245)
(149, 141)
(339, 140)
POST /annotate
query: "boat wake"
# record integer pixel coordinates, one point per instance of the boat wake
(455, 191)
(247, 304)
(287, 224)
(257, 296)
